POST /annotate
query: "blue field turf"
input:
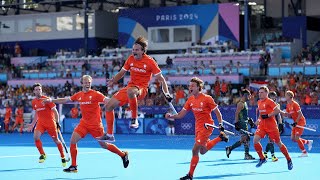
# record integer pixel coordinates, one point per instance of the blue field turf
(152, 157)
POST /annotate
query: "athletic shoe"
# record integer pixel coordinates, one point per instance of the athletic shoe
(304, 155)
(71, 169)
(261, 161)
(125, 159)
(228, 151)
(248, 156)
(106, 138)
(134, 123)
(187, 177)
(42, 158)
(310, 142)
(290, 165)
(265, 154)
(223, 137)
(274, 158)
(64, 162)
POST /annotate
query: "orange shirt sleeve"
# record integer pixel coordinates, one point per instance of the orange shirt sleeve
(75, 96)
(212, 105)
(187, 105)
(296, 107)
(154, 66)
(126, 65)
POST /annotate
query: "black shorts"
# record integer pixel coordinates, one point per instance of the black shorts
(170, 122)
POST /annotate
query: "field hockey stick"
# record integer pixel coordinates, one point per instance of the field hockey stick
(64, 145)
(302, 127)
(242, 130)
(207, 125)
(170, 103)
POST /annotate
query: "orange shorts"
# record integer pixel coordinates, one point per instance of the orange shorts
(82, 129)
(122, 95)
(267, 129)
(52, 130)
(6, 120)
(19, 121)
(202, 136)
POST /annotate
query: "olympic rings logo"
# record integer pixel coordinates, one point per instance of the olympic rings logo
(186, 126)
(312, 126)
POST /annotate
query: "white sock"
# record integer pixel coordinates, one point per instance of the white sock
(172, 130)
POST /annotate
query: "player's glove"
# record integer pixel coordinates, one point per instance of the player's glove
(221, 128)
(168, 97)
(294, 124)
(264, 116)
(237, 126)
(280, 126)
(251, 123)
(58, 126)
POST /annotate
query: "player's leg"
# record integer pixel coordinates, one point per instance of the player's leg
(234, 146)
(295, 136)
(194, 161)
(79, 132)
(54, 135)
(271, 148)
(6, 125)
(112, 104)
(14, 126)
(21, 127)
(246, 143)
(111, 147)
(275, 135)
(133, 93)
(38, 131)
(260, 133)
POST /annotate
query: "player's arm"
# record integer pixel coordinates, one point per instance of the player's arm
(180, 114)
(34, 121)
(117, 77)
(275, 111)
(163, 82)
(60, 100)
(299, 116)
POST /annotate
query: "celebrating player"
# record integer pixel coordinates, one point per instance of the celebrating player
(268, 126)
(19, 118)
(293, 110)
(47, 119)
(90, 122)
(270, 146)
(242, 119)
(201, 105)
(141, 67)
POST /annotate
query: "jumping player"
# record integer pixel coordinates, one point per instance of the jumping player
(90, 122)
(141, 68)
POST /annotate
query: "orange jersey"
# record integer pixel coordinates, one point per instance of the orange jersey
(89, 106)
(19, 113)
(201, 106)
(293, 108)
(74, 112)
(267, 106)
(44, 111)
(8, 112)
(141, 70)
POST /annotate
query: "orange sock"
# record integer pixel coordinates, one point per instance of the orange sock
(21, 128)
(39, 146)
(284, 151)
(74, 153)
(60, 150)
(133, 103)
(110, 121)
(6, 126)
(213, 142)
(258, 148)
(115, 150)
(301, 146)
(304, 141)
(193, 164)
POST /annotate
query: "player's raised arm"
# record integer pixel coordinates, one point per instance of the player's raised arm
(180, 114)
(117, 77)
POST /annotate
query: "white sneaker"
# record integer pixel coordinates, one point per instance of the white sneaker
(310, 142)
(134, 123)
(304, 155)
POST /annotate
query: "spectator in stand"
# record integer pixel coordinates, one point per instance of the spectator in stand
(224, 88)
(17, 50)
(216, 87)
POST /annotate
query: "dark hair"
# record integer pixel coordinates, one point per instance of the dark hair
(142, 42)
(264, 88)
(35, 85)
(272, 94)
(245, 92)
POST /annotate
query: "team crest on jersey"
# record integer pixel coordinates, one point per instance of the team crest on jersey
(145, 66)
(191, 104)
(131, 64)
(90, 97)
(201, 104)
(79, 99)
(35, 105)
